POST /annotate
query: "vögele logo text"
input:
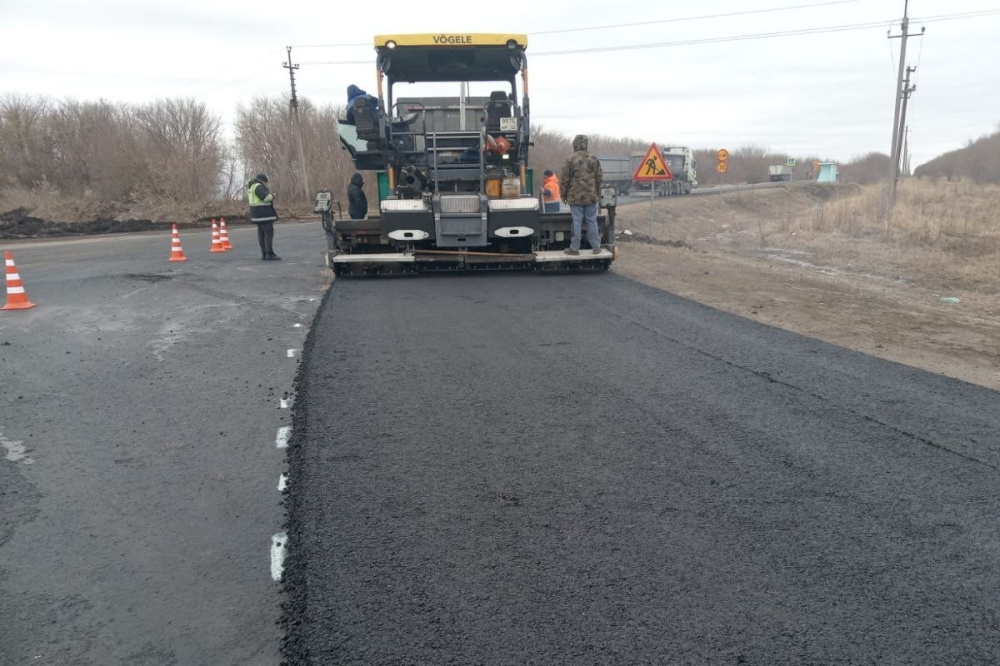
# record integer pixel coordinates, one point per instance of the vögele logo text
(452, 39)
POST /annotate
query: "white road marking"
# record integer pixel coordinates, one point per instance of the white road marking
(16, 451)
(291, 353)
(279, 548)
(284, 432)
(296, 325)
(285, 404)
(282, 482)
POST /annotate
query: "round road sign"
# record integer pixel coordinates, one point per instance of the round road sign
(721, 167)
(722, 155)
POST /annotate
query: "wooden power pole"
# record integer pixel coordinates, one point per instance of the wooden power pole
(897, 126)
(297, 125)
(903, 129)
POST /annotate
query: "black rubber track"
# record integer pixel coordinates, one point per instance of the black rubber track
(524, 469)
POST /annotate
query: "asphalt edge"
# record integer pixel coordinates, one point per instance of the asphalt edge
(293, 582)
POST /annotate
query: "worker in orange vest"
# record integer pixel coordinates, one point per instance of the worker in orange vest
(550, 192)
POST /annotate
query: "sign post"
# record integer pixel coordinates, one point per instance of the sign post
(721, 165)
(652, 169)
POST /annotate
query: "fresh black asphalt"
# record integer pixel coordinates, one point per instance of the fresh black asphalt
(522, 469)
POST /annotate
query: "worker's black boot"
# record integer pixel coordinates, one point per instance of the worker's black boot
(273, 257)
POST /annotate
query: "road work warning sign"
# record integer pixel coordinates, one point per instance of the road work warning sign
(652, 167)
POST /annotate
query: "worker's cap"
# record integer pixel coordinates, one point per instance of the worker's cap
(548, 172)
(262, 177)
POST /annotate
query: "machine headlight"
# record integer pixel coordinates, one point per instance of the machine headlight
(390, 44)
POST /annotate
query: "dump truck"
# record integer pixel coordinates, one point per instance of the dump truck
(618, 172)
(779, 172)
(455, 188)
(682, 166)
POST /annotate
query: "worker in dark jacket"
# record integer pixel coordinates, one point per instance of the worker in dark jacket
(262, 214)
(357, 202)
(353, 93)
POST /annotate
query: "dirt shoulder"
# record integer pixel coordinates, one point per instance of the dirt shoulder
(20, 225)
(727, 261)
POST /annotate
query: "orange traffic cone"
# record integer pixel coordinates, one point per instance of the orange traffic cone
(16, 298)
(224, 235)
(216, 241)
(176, 251)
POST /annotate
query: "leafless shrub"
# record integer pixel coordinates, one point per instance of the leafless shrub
(978, 161)
(866, 169)
(265, 143)
(88, 152)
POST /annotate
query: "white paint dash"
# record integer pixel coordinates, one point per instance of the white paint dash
(292, 353)
(15, 451)
(283, 482)
(284, 433)
(279, 548)
(296, 325)
(284, 403)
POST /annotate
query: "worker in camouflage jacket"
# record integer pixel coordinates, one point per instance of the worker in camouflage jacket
(581, 187)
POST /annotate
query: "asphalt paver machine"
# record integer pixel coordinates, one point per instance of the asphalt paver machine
(455, 189)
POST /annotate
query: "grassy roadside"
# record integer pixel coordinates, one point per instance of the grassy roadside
(826, 263)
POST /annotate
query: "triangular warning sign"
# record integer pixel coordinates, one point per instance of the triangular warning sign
(652, 167)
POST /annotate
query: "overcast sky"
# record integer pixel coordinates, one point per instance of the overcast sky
(829, 93)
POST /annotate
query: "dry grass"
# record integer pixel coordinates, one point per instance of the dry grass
(943, 236)
(958, 218)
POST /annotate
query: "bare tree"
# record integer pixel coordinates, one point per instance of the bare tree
(23, 140)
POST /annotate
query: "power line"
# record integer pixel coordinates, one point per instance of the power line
(692, 18)
(337, 62)
(762, 35)
(716, 40)
(330, 46)
(625, 25)
(229, 84)
(214, 74)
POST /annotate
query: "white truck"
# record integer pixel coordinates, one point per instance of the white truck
(682, 165)
(779, 172)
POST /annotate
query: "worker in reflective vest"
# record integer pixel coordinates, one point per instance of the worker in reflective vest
(550, 192)
(262, 214)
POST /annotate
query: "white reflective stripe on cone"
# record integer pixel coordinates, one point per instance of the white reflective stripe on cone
(10, 262)
(13, 276)
(15, 290)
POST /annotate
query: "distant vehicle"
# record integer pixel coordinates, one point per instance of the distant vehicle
(683, 167)
(618, 172)
(779, 172)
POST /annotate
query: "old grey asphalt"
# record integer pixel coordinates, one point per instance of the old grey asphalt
(520, 469)
(139, 406)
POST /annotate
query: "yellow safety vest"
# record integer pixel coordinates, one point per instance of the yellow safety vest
(252, 195)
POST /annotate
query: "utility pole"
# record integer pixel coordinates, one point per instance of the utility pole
(896, 126)
(903, 134)
(297, 124)
(906, 152)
